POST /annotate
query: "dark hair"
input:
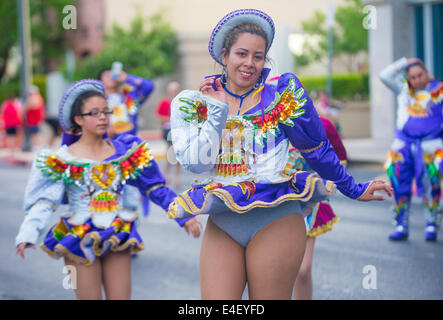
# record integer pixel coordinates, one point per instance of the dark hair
(233, 34)
(77, 108)
(415, 64)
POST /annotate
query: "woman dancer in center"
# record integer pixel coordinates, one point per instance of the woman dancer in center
(239, 129)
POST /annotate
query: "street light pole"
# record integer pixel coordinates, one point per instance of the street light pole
(330, 24)
(26, 56)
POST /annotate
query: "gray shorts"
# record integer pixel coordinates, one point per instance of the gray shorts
(242, 227)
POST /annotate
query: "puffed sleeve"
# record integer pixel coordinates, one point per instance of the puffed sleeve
(307, 134)
(144, 173)
(197, 122)
(393, 76)
(43, 194)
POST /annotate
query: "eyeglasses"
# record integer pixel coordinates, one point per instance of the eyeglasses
(96, 113)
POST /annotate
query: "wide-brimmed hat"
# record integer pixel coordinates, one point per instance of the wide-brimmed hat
(69, 97)
(233, 19)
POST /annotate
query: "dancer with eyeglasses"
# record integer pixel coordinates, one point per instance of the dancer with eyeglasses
(96, 235)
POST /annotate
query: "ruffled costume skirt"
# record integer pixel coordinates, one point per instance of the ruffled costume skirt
(321, 220)
(300, 192)
(85, 243)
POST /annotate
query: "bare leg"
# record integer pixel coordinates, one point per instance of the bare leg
(88, 280)
(222, 265)
(274, 256)
(303, 283)
(117, 275)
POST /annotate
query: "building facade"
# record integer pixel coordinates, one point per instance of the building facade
(402, 28)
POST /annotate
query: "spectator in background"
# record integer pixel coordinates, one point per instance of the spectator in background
(34, 115)
(163, 114)
(11, 110)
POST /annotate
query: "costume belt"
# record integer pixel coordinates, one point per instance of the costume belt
(418, 159)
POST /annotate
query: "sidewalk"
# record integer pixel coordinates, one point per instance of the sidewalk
(367, 150)
(360, 151)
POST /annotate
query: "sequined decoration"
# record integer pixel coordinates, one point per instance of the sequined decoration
(103, 202)
(103, 175)
(287, 106)
(132, 165)
(235, 156)
(392, 166)
(121, 226)
(195, 110)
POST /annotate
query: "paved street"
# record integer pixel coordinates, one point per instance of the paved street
(168, 268)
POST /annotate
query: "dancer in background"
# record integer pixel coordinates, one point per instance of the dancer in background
(125, 94)
(417, 149)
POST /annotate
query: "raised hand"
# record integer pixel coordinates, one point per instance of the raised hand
(207, 89)
(375, 186)
(21, 248)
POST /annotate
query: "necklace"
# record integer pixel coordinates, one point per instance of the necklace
(242, 97)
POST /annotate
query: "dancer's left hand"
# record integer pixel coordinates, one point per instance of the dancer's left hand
(193, 226)
(375, 186)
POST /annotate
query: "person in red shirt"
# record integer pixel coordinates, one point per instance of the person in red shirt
(34, 115)
(11, 110)
(163, 114)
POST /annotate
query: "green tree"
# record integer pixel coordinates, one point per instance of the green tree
(47, 33)
(350, 38)
(8, 23)
(147, 52)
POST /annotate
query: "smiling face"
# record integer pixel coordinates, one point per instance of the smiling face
(91, 124)
(244, 61)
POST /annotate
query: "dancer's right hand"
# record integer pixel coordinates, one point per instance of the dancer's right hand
(193, 226)
(21, 248)
(377, 185)
(207, 89)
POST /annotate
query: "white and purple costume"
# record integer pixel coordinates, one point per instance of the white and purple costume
(417, 150)
(96, 221)
(246, 157)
